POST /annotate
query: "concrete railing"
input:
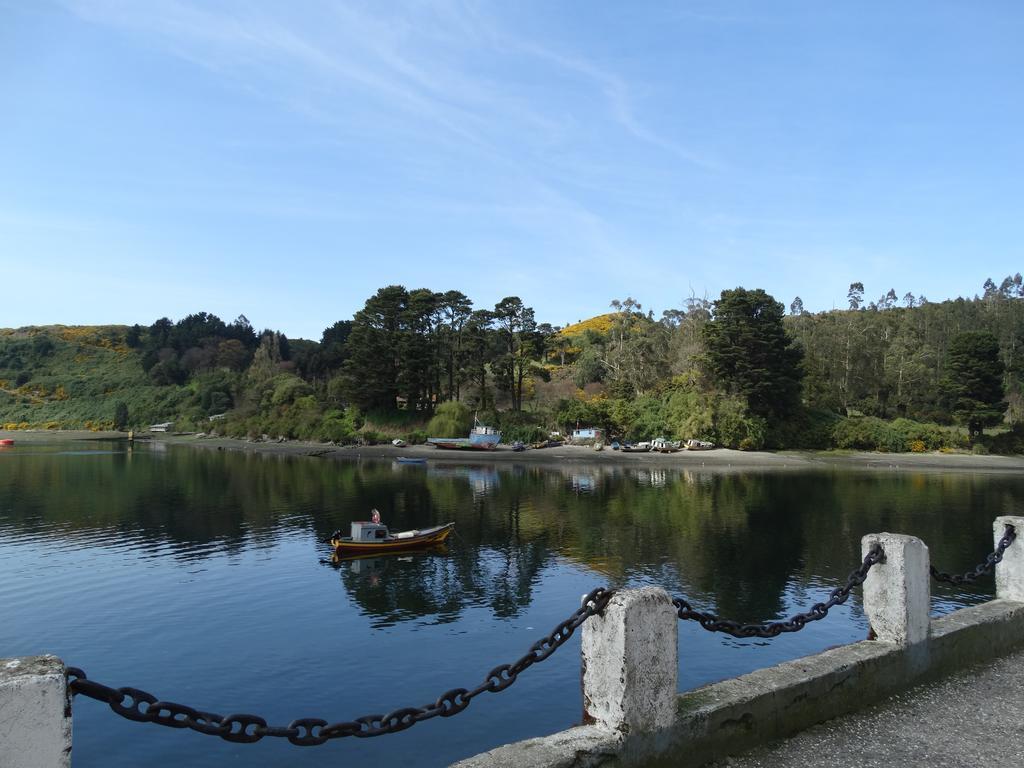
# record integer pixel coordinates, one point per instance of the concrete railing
(35, 713)
(634, 714)
(630, 662)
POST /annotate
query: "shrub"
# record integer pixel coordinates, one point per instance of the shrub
(1009, 442)
(811, 429)
(736, 428)
(868, 433)
(978, 449)
(932, 435)
(524, 434)
(918, 446)
(416, 437)
(451, 419)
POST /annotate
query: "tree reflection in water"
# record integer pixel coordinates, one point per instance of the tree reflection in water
(737, 543)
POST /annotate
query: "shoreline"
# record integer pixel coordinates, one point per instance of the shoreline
(717, 459)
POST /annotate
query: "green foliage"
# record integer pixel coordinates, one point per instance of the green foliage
(588, 367)
(416, 437)
(868, 433)
(873, 434)
(451, 419)
(974, 381)
(339, 426)
(518, 426)
(809, 428)
(287, 389)
(750, 353)
(689, 413)
(736, 427)
(71, 376)
(735, 372)
(1008, 442)
(120, 415)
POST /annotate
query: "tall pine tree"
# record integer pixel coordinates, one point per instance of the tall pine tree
(749, 352)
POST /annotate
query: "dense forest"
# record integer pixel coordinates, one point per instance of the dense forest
(892, 374)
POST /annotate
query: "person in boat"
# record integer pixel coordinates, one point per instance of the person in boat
(374, 518)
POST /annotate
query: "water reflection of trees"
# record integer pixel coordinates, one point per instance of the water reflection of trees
(730, 542)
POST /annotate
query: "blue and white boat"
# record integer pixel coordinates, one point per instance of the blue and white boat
(481, 438)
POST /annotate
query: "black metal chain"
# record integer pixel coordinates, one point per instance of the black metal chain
(990, 562)
(140, 706)
(144, 707)
(769, 629)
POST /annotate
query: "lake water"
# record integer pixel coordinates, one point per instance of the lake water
(197, 575)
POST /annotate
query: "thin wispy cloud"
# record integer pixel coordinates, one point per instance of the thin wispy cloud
(643, 147)
(356, 70)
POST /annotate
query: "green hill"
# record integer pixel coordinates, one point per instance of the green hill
(71, 377)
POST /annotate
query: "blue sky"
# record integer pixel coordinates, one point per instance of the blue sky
(285, 160)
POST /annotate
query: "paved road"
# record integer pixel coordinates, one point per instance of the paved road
(973, 719)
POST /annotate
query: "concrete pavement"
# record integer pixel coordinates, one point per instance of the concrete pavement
(973, 718)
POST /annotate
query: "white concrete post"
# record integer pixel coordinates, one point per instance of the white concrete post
(630, 662)
(1010, 572)
(35, 713)
(897, 592)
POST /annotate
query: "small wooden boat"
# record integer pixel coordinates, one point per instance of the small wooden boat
(699, 445)
(661, 445)
(6, 443)
(636, 448)
(370, 537)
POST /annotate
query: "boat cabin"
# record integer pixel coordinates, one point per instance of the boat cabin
(366, 531)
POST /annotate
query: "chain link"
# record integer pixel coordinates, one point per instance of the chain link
(713, 623)
(143, 707)
(1009, 535)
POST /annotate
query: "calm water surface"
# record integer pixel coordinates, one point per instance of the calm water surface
(197, 575)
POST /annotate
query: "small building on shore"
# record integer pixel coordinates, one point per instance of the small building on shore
(164, 427)
(587, 435)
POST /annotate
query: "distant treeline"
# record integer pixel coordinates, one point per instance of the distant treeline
(889, 374)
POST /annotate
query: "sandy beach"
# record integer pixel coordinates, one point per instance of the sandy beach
(716, 459)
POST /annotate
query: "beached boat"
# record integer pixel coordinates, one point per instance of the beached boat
(7, 443)
(370, 537)
(547, 444)
(480, 438)
(661, 445)
(699, 445)
(636, 448)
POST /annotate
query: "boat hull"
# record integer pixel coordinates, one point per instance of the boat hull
(462, 444)
(424, 538)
